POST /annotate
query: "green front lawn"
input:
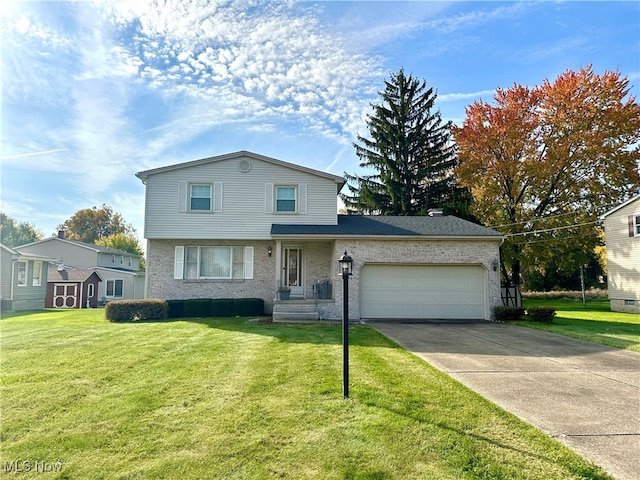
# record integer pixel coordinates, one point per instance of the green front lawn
(595, 323)
(238, 399)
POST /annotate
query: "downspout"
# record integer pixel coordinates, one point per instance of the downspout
(13, 277)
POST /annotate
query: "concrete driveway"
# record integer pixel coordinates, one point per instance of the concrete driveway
(585, 395)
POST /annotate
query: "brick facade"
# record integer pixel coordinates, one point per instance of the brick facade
(434, 252)
(320, 263)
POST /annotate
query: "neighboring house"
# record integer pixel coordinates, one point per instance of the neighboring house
(119, 271)
(242, 224)
(622, 231)
(23, 280)
(72, 288)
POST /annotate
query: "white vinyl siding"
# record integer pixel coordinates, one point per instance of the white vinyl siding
(248, 201)
(623, 253)
(213, 262)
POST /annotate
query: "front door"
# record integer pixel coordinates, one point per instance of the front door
(293, 271)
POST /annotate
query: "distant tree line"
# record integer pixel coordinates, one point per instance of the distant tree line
(96, 226)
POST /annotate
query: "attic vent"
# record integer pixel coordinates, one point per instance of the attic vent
(436, 212)
(244, 165)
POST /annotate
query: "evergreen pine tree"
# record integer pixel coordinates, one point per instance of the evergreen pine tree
(412, 155)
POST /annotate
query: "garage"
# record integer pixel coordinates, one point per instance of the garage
(423, 291)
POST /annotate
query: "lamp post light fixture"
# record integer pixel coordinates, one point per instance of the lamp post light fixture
(346, 269)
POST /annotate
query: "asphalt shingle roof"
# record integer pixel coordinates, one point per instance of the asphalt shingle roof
(372, 225)
(69, 275)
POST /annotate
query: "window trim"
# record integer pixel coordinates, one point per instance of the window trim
(91, 290)
(636, 224)
(22, 282)
(295, 200)
(106, 287)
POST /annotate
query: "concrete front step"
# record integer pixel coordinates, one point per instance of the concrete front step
(295, 310)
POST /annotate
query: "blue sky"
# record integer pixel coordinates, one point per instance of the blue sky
(94, 91)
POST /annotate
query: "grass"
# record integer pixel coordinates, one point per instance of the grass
(239, 399)
(595, 323)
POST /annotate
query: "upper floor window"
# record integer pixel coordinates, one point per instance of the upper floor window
(22, 274)
(636, 225)
(286, 199)
(37, 274)
(200, 197)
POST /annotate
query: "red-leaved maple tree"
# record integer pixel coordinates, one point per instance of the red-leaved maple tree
(544, 163)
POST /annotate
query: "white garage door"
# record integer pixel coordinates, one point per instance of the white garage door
(422, 291)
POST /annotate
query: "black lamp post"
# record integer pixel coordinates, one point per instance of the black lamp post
(346, 265)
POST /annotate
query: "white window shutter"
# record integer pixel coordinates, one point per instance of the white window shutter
(268, 197)
(248, 262)
(178, 263)
(302, 194)
(217, 197)
(182, 196)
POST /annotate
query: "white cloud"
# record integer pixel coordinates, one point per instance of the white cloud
(456, 97)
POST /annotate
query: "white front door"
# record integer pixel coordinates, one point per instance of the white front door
(293, 271)
(65, 295)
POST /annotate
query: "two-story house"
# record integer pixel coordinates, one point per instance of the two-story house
(243, 225)
(622, 232)
(118, 274)
(23, 280)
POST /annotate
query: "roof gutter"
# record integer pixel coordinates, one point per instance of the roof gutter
(386, 237)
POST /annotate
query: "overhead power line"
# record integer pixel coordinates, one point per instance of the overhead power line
(544, 230)
(532, 220)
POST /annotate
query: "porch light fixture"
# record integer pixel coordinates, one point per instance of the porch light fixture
(495, 264)
(269, 250)
(346, 269)
(346, 264)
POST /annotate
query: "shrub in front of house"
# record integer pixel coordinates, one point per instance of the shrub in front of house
(197, 307)
(541, 314)
(136, 310)
(215, 307)
(248, 307)
(508, 314)
(176, 308)
(221, 307)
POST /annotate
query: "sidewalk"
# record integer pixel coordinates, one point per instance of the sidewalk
(585, 395)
